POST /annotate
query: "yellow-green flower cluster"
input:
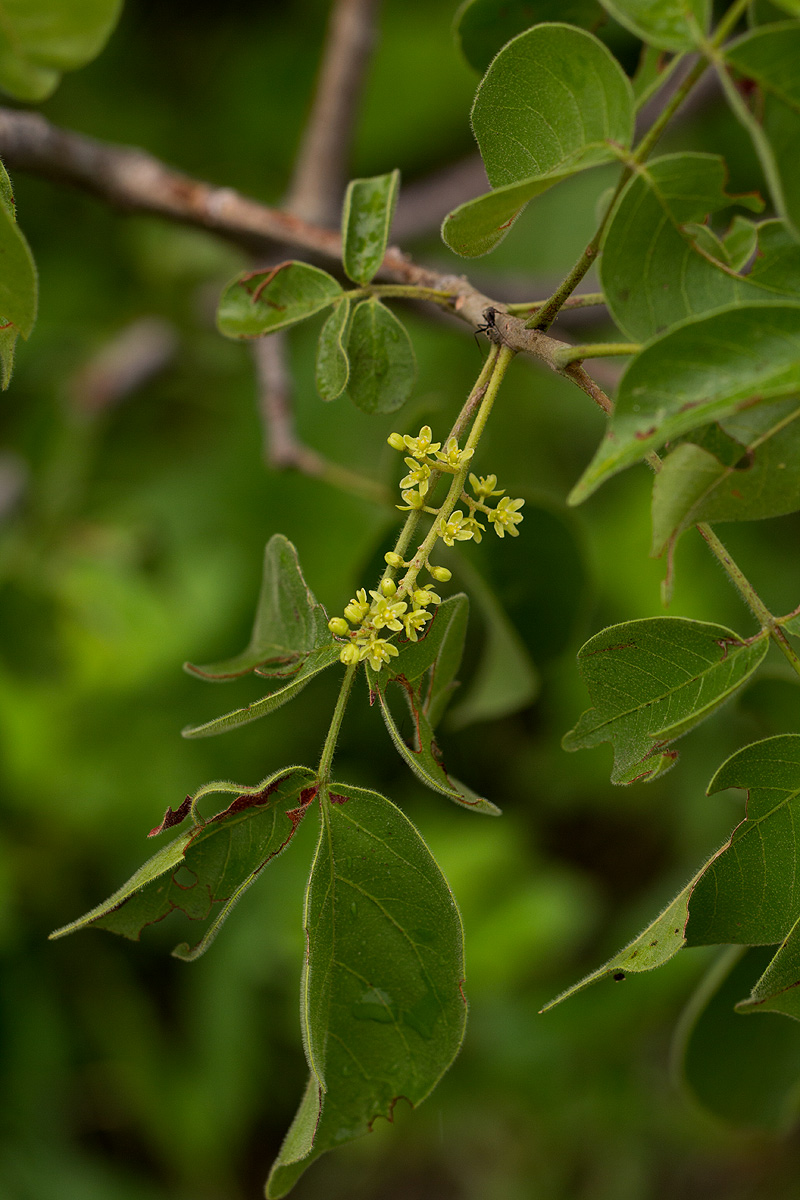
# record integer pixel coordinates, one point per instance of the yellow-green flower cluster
(369, 622)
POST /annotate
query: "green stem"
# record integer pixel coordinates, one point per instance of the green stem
(584, 300)
(401, 291)
(501, 363)
(326, 758)
(597, 350)
(749, 594)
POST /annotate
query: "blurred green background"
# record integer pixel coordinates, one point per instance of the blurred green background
(131, 539)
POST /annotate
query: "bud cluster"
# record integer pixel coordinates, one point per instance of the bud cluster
(370, 621)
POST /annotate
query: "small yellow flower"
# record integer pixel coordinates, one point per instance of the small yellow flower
(414, 621)
(396, 441)
(421, 445)
(417, 477)
(452, 456)
(386, 613)
(358, 608)
(473, 524)
(422, 597)
(378, 652)
(485, 485)
(506, 516)
(454, 529)
(413, 500)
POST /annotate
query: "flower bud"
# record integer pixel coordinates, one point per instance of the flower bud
(338, 626)
(394, 560)
(395, 440)
(350, 654)
(388, 587)
(441, 574)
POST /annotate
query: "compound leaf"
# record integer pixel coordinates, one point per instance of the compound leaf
(211, 864)
(653, 680)
(39, 39)
(382, 363)
(366, 220)
(290, 622)
(761, 478)
(748, 894)
(656, 268)
(261, 302)
(382, 999)
(701, 370)
(667, 24)
(333, 366)
(554, 101)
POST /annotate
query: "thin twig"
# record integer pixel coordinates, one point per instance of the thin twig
(320, 169)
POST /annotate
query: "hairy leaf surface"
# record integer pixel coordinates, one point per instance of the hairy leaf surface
(553, 102)
(290, 622)
(382, 1000)
(762, 480)
(667, 24)
(702, 370)
(211, 864)
(261, 302)
(369, 206)
(382, 363)
(653, 680)
(749, 894)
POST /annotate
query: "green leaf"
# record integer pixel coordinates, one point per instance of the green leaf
(657, 268)
(18, 282)
(653, 680)
(290, 622)
(769, 58)
(747, 895)
(366, 220)
(211, 864)
(778, 989)
(505, 679)
(39, 39)
(264, 301)
(554, 101)
(333, 366)
(763, 480)
(382, 1005)
(702, 370)
(655, 945)
(744, 1072)
(382, 363)
(318, 660)
(663, 23)
(482, 27)
(741, 241)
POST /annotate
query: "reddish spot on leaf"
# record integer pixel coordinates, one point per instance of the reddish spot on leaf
(241, 803)
(173, 816)
(643, 434)
(336, 798)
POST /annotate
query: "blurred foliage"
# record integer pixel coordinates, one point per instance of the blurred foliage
(132, 537)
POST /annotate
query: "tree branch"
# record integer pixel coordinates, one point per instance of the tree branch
(135, 181)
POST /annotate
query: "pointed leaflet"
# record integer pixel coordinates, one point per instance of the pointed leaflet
(760, 478)
(657, 268)
(333, 366)
(778, 989)
(769, 58)
(315, 662)
(482, 27)
(553, 102)
(651, 681)
(382, 1004)
(217, 860)
(667, 24)
(744, 1072)
(260, 302)
(366, 219)
(289, 623)
(382, 364)
(41, 38)
(654, 946)
(749, 895)
(703, 369)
